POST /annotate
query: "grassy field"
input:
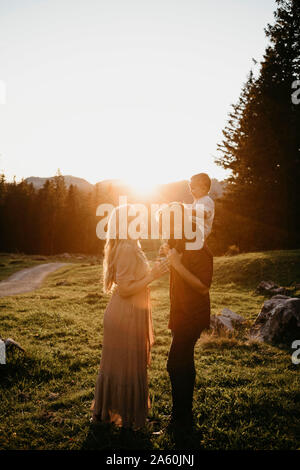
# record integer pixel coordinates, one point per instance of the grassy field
(247, 394)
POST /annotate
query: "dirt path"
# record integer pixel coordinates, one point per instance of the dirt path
(27, 279)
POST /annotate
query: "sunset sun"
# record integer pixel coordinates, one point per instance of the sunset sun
(142, 187)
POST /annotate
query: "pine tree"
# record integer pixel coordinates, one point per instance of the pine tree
(261, 143)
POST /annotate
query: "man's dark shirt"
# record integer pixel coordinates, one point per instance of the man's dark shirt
(190, 310)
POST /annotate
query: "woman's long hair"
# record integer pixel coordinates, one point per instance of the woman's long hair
(111, 245)
(108, 264)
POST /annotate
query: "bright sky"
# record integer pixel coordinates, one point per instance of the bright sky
(133, 89)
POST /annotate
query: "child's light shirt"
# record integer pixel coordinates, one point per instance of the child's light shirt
(209, 213)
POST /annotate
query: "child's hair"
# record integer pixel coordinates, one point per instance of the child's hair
(203, 179)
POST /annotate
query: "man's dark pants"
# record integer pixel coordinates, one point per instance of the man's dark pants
(181, 369)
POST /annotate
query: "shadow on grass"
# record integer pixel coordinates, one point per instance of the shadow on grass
(182, 439)
(20, 366)
(108, 436)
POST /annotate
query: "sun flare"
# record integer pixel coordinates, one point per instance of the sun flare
(142, 187)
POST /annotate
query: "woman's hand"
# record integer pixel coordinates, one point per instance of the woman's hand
(159, 269)
(129, 288)
(174, 258)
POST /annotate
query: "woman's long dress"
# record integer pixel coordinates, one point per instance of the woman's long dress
(121, 393)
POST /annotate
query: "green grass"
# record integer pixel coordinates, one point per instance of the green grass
(247, 394)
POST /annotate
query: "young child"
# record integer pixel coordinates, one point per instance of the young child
(199, 186)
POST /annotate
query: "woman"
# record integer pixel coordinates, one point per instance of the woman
(121, 393)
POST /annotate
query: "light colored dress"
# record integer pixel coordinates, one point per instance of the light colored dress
(121, 393)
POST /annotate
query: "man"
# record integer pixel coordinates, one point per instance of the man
(190, 279)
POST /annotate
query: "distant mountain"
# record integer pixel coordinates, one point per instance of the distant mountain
(176, 191)
(79, 182)
(164, 193)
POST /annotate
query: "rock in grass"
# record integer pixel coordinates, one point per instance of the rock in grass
(278, 321)
(53, 396)
(226, 312)
(270, 288)
(228, 320)
(63, 283)
(12, 344)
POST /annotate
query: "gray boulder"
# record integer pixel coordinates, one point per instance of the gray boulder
(227, 320)
(279, 321)
(270, 288)
(12, 344)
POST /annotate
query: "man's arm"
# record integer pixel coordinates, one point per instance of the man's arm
(175, 261)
